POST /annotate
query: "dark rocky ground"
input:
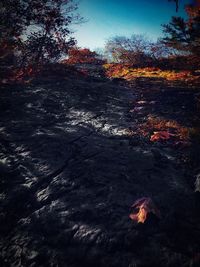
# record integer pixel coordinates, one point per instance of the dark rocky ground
(70, 173)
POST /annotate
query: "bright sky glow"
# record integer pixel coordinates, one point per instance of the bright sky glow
(107, 18)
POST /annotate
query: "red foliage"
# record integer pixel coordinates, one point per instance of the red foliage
(20, 75)
(141, 208)
(162, 135)
(81, 56)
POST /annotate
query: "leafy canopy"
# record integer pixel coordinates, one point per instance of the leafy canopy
(37, 31)
(184, 35)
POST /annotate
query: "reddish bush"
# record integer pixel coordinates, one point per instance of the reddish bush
(77, 56)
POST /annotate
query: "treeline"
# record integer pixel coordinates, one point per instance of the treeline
(35, 32)
(178, 49)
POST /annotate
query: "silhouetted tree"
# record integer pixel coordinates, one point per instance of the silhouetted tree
(134, 50)
(38, 31)
(12, 24)
(158, 50)
(184, 35)
(176, 2)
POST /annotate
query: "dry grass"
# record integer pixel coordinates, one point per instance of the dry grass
(129, 73)
(155, 124)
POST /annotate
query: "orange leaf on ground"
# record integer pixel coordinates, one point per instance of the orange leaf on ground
(162, 135)
(141, 208)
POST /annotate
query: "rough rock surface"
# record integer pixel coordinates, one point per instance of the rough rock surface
(70, 173)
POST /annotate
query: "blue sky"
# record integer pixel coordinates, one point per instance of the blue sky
(107, 18)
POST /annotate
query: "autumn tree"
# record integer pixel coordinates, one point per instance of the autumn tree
(37, 31)
(133, 50)
(12, 24)
(184, 34)
(82, 55)
(158, 50)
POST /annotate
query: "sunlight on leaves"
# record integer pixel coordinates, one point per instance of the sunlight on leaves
(162, 135)
(141, 208)
(127, 72)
